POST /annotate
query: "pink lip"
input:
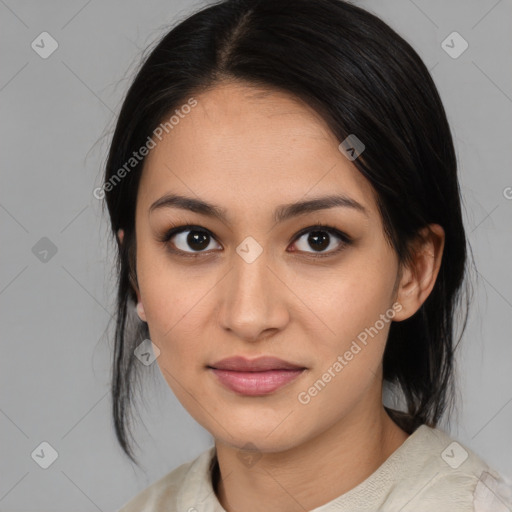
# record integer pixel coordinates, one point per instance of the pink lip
(255, 377)
(255, 383)
(259, 364)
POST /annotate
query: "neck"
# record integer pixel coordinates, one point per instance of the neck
(312, 474)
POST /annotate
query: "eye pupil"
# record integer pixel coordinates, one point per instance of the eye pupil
(196, 240)
(318, 240)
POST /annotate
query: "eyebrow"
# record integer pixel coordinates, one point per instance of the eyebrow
(282, 212)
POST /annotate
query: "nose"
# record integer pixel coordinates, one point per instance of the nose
(254, 300)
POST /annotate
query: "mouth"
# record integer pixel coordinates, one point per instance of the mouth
(255, 377)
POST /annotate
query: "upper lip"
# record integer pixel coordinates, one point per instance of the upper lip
(260, 364)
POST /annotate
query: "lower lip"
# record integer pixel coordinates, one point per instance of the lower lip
(256, 383)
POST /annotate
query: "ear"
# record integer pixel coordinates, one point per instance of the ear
(120, 236)
(141, 312)
(419, 275)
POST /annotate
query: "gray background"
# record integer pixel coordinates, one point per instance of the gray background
(57, 115)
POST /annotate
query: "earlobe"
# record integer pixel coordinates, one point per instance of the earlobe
(140, 307)
(420, 274)
(140, 310)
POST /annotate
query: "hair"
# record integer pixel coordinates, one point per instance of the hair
(363, 79)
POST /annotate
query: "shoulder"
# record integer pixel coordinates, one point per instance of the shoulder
(445, 475)
(164, 494)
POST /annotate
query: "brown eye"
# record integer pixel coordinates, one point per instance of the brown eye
(320, 240)
(192, 240)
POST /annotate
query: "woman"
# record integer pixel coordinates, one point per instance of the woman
(282, 185)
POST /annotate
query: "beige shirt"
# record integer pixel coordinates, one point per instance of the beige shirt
(429, 472)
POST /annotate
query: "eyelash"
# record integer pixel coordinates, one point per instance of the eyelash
(175, 230)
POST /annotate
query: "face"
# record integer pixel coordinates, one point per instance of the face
(313, 286)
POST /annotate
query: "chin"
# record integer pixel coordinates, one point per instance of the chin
(264, 436)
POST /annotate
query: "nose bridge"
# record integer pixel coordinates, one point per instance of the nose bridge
(251, 303)
(250, 276)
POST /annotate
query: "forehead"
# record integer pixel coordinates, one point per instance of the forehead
(248, 147)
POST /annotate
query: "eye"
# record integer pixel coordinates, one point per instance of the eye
(321, 238)
(194, 241)
(184, 238)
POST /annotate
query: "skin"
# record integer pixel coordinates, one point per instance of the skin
(249, 150)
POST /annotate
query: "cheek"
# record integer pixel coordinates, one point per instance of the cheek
(171, 301)
(356, 309)
(349, 299)
(171, 292)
